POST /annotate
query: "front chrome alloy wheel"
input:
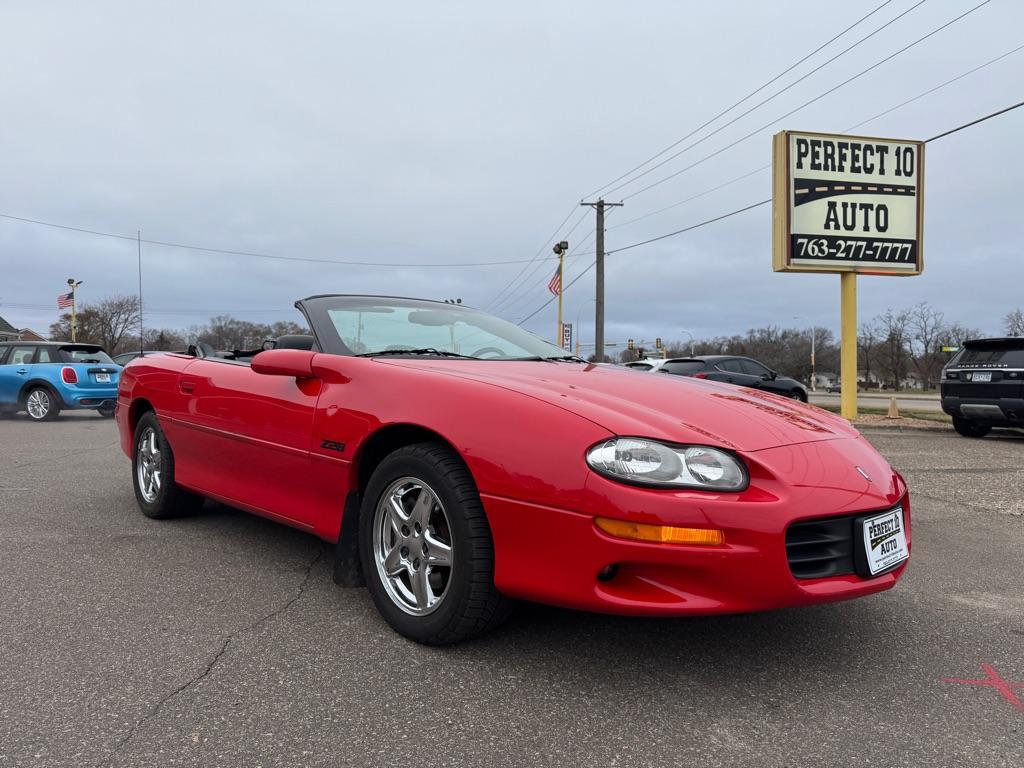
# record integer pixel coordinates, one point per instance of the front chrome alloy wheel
(38, 404)
(412, 546)
(148, 466)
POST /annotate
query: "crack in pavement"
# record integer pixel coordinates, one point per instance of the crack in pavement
(211, 665)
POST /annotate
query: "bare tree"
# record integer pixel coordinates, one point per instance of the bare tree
(894, 350)
(927, 334)
(1013, 323)
(106, 322)
(869, 339)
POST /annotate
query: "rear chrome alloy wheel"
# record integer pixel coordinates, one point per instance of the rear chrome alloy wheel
(412, 546)
(38, 403)
(148, 466)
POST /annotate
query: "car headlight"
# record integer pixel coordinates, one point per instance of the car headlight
(648, 462)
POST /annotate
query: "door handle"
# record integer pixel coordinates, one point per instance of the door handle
(187, 387)
(22, 371)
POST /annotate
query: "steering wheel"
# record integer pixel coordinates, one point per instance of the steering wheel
(491, 351)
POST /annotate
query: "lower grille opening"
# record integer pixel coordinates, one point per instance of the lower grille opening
(816, 549)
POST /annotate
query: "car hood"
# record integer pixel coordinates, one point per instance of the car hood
(656, 405)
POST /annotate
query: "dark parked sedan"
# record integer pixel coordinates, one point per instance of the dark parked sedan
(736, 370)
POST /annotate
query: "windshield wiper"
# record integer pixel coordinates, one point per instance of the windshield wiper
(554, 358)
(424, 351)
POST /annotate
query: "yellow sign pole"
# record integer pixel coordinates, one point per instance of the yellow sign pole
(848, 343)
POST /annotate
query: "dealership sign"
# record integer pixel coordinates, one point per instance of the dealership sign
(847, 204)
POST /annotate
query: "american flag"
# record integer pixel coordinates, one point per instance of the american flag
(65, 300)
(555, 283)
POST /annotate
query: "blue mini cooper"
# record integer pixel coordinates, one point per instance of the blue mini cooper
(44, 378)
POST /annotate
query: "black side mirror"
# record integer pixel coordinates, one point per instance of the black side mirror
(770, 376)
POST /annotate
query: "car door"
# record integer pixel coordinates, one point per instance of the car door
(732, 369)
(246, 437)
(759, 375)
(15, 370)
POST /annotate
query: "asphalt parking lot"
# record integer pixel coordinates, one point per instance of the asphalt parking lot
(221, 640)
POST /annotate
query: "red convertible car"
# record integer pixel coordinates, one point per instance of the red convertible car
(459, 463)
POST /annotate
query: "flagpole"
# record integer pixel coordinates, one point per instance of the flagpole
(74, 318)
(561, 290)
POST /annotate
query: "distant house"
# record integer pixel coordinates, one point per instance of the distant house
(8, 332)
(825, 379)
(27, 334)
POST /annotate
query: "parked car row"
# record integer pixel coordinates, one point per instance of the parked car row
(742, 371)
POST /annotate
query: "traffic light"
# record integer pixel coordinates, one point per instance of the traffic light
(657, 343)
(629, 343)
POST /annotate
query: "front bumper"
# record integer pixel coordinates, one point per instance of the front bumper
(555, 555)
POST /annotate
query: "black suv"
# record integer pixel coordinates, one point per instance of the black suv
(735, 370)
(983, 386)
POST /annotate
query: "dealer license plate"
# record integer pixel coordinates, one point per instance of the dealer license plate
(987, 376)
(885, 541)
(103, 378)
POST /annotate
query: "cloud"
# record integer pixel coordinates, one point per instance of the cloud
(419, 133)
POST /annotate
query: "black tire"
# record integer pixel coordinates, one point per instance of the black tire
(470, 604)
(169, 499)
(796, 394)
(107, 412)
(970, 428)
(41, 404)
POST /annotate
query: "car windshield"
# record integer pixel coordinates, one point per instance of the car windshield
(381, 326)
(1005, 354)
(84, 355)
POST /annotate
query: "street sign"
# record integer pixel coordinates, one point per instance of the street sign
(847, 204)
(950, 349)
(566, 335)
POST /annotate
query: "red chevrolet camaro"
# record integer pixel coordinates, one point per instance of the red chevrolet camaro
(458, 462)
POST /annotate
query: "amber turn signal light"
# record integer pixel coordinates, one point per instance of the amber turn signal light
(660, 534)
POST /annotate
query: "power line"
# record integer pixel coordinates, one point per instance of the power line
(494, 303)
(763, 202)
(758, 204)
(155, 310)
(581, 274)
(516, 296)
(902, 104)
(575, 253)
(229, 252)
(806, 104)
(959, 128)
(754, 92)
(938, 87)
(770, 98)
(691, 227)
(535, 256)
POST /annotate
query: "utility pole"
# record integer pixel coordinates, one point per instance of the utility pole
(599, 206)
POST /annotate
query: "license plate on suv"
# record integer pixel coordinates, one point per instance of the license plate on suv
(982, 376)
(885, 541)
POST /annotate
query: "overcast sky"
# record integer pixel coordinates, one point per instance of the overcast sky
(425, 133)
